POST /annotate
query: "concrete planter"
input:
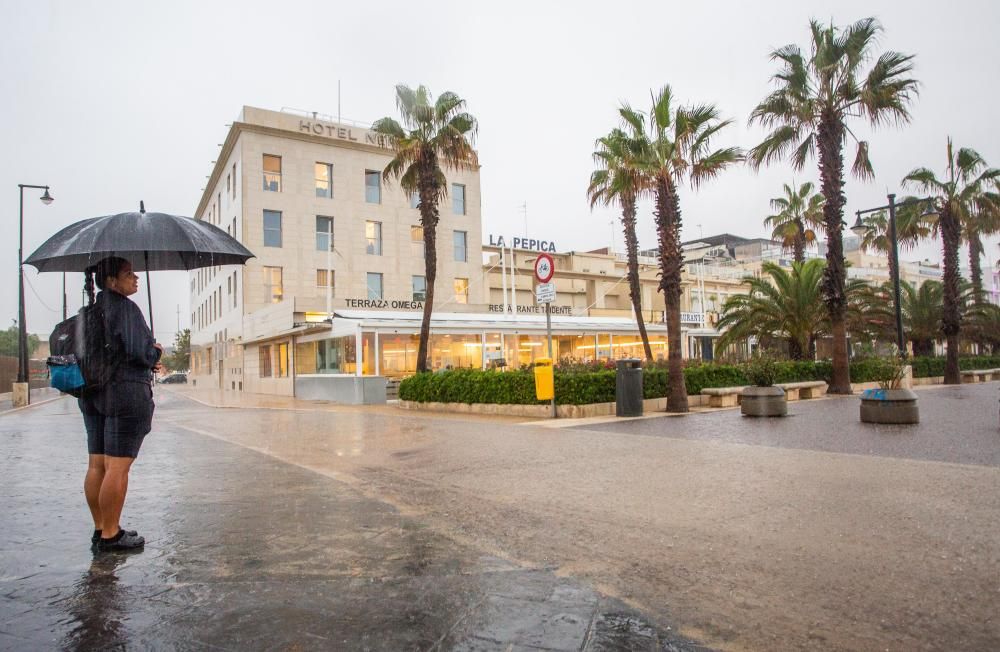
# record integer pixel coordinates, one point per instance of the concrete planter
(894, 406)
(764, 402)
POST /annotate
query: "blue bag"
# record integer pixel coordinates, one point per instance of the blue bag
(65, 374)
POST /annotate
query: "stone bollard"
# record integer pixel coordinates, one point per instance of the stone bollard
(21, 395)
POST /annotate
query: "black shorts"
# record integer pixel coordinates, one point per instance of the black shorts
(118, 418)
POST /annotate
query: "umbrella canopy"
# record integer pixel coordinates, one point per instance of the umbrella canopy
(151, 241)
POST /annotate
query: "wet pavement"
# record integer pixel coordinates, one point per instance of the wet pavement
(247, 551)
(958, 424)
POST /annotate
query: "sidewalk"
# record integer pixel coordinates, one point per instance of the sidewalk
(247, 552)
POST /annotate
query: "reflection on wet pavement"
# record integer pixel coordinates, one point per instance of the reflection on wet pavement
(248, 552)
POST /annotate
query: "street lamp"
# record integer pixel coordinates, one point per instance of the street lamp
(22, 393)
(860, 229)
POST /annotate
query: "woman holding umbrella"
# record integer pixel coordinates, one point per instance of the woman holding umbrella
(120, 415)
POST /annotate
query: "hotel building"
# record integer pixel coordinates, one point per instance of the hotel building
(337, 286)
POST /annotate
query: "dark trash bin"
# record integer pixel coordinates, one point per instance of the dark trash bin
(628, 388)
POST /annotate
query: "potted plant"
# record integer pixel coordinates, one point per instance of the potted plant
(891, 402)
(762, 398)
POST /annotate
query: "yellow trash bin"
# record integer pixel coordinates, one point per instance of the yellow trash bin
(544, 380)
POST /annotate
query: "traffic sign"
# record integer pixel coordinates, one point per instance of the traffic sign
(545, 293)
(545, 267)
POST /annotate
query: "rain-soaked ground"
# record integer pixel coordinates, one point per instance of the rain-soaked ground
(245, 551)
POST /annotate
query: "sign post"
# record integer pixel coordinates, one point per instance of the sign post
(546, 293)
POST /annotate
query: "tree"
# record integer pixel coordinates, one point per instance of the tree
(8, 342)
(969, 189)
(984, 325)
(978, 224)
(911, 228)
(180, 359)
(808, 114)
(781, 304)
(921, 309)
(619, 179)
(675, 147)
(438, 134)
(799, 212)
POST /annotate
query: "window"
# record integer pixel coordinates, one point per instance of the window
(324, 180)
(373, 187)
(325, 279)
(373, 234)
(234, 181)
(272, 173)
(458, 199)
(282, 371)
(419, 288)
(417, 233)
(235, 294)
(461, 290)
(264, 360)
(414, 199)
(461, 250)
(218, 218)
(234, 229)
(272, 228)
(272, 284)
(324, 233)
(374, 285)
(229, 183)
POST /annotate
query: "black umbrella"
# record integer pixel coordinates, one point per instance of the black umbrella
(151, 241)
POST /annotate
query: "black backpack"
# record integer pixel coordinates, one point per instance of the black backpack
(82, 360)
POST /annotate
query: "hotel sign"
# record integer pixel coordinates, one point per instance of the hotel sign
(523, 243)
(531, 310)
(340, 132)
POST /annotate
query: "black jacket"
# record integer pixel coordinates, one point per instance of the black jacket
(126, 328)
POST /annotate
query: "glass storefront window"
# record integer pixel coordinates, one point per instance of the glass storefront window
(399, 354)
(455, 352)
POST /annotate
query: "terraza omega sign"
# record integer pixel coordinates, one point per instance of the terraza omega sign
(523, 243)
(400, 304)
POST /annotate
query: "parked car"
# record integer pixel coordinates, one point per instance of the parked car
(174, 378)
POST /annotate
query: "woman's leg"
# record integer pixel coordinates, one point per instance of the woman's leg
(92, 487)
(112, 494)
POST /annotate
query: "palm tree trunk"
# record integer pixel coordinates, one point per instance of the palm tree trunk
(799, 244)
(951, 319)
(975, 269)
(831, 168)
(428, 221)
(632, 251)
(794, 349)
(668, 227)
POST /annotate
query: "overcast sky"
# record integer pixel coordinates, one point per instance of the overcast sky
(113, 102)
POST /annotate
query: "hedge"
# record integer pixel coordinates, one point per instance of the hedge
(582, 386)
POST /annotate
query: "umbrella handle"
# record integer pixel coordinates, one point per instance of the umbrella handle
(149, 294)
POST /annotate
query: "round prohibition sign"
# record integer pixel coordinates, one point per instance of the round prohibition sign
(545, 268)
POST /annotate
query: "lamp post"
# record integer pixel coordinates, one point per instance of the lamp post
(860, 229)
(22, 392)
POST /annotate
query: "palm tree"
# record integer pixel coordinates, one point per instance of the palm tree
(799, 213)
(675, 146)
(619, 179)
(911, 227)
(779, 305)
(984, 325)
(438, 133)
(921, 309)
(977, 225)
(817, 94)
(968, 190)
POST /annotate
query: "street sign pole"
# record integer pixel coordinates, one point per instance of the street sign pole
(548, 332)
(544, 271)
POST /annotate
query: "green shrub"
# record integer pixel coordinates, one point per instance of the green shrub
(579, 384)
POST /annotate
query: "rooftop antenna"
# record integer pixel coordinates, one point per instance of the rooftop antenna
(524, 209)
